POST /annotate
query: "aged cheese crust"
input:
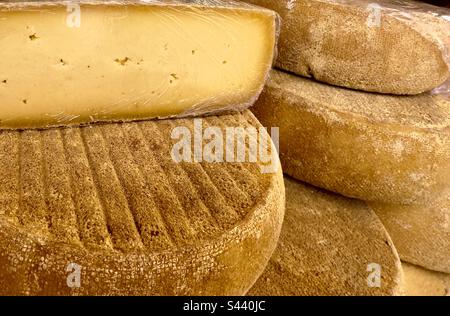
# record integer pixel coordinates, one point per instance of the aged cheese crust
(71, 63)
(420, 233)
(110, 199)
(422, 282)
(326, 247)
(374, 147)
(400, 48)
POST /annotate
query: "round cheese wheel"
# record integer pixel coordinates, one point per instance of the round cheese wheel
(396, 47)
(330, 245)
(373, 147)
(106, 210)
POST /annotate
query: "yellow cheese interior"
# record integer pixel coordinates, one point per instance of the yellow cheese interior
(129, 62)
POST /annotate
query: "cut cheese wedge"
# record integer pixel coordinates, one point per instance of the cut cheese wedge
(391, 149)
(105, 210)
(63, 63)
(330, 245)
(420, 233)
(422, 282)
(378, 46)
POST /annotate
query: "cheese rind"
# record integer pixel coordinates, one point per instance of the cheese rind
(422, 282)
(420, 233)
(329, 245)
(398, 48)
(110, 200)
(390, 149)
(109, 61)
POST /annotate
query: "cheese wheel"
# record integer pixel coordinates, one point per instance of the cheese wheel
(422, 282)
(378, 46)
(105, 210)
(374, 147)
(330, 245)
(420, 233)
(69, 63)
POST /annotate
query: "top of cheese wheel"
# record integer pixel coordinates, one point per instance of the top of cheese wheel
(111, 199)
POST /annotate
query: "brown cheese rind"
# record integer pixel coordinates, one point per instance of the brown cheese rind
(110, 199)
(374, 147)
(396, 47)
(329, 245)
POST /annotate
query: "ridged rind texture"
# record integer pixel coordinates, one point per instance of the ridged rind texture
(396, 47)
(326, 246)
(373, 147)
(110, 199)
(421, 234)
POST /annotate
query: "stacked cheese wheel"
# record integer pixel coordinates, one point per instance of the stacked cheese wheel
(122, 207)
(130, 164)
(360, 97)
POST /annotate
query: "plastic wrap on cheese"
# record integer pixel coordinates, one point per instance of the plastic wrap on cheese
(397, 47)
(69, 63)
(443, 90)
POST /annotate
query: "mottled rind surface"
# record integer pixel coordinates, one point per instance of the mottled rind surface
(110, 199)
(421, 234)
(342, 42)
(374, 147)
(422, 282)
(326, 244)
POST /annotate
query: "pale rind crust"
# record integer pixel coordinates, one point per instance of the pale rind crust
(331, 41)
(421, 234)
(422, 282)
(227, 261)
(373, 147)
(326, 245)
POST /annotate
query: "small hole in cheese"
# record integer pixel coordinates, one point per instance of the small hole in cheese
(33, 37)
(122, 61)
